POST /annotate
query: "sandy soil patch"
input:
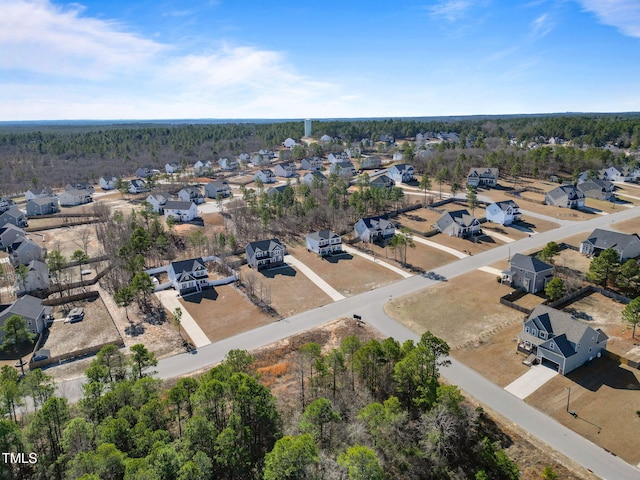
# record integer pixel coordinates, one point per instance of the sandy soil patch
(224, 311)
(604, 394)
(460, 311)
(70, 239)
(348, 274)
(290, 291)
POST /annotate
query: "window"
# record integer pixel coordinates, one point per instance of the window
(543, 334)
(552, 346)
(534, 332)
(526, 329)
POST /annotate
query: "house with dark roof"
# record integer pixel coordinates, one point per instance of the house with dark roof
(324, 242)
(138, 185)
(382, 181)
(24, 250)
(503, 213)
(559, 340)
(28, 307)
(626, 244)
(37, 278)
(483, 177)
(14, 216)
(459, 223)
(615, 174)
(108, 182)
(598, 189)
(188, 276)
(527, 273)
(38, 193)
(228, 164)
(565, 196)
(180, 211)
(338, 157)
(191, 193)
(264, 254)
(8, 234)
(343, 169)
(312, 163)
(374, 229)
(6, 204)
(72, 197)
(369, 162)
(285, 169)
(83, 186)
(315, 176)
(401, 173)
(217, 188)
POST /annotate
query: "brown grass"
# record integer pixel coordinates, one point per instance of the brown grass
(628, 226)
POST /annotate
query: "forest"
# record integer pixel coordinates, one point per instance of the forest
(365, 410)
(46, 155)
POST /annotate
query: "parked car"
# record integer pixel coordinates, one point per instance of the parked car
(75, 315)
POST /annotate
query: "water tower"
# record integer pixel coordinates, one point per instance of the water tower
(307, 127)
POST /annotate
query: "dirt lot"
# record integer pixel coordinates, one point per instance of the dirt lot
(290, 291)
(224, 311)
(628, 226)
(348, 274)
(603, 394)
(96, 328)
(70, 239)
(461, 311)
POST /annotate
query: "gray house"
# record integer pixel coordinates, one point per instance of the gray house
(483, 177)
(402, 173)
(315, 176)
(560, 341)
(370, 162)
(459, 223)
(28, 307)
(565, 196)
(382, 181)
(24, 250)
(8, 234)
(286, 169)
(627, 245)
(527, 273)
(137, 185)
(343, 169)
(598, 189)
(13, 216)
(37, 278)
(6, 204)
(42, 206)
(188, 276)
(218, 188)
(144, 172)
(374, 229)
(38, 193)
(228, 163)
(324, 242)
(265, 254)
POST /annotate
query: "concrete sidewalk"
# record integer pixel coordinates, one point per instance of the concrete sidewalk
(169, 299)
(531, 381)
(314, 277)
(497, 235)
(449, 250)
(355, 251)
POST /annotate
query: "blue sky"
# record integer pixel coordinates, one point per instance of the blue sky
(139, 59)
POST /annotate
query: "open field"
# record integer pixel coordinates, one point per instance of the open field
(69, 239)
(224, 311)
(348, 274)
(96, 328)
(469, 246)
(459, 311)
(629, 226)
(290, 291)
(604, 394)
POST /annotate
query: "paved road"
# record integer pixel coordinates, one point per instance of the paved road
(370, 306)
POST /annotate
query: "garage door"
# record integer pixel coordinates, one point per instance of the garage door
(550, 364)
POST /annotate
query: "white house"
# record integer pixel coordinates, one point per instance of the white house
(265, 176)
(108, 182)
(286, 169)
(137, 185)
(191, 194)
(325, 138)
(228, 163)
(201, 167)
(324, 242)
(314, 177)
(180, 211)
(158, 201)
(38, 193)
(73, 197)
(188, 276)
(313, 163)
(289, 143)
(401, 173)
(503, 213)
(37, 278)
(172, 167)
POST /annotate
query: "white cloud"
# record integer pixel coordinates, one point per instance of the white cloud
(451, 10)
(621, 14)
(74, 66)
(542, 25)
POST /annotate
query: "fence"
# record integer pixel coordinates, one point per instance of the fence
(510, 298)
(69, 224)
(77, 353)
(585, 291)
(71, 298)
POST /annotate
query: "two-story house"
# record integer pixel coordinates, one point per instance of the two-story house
(459, 223)
(382, 181)
(180, 211)
(565, 196)
(286, 169)
(30, 309)
(527, 273)
(36, 279)
(108, 182)
(483, 177)
(158, 200)
(343, 169)
(228, 164)
(374, 229)
(172, 167)
(188, 276)
(370, 162)
(15, 217)
(8, 234)
(598, 189)
(23, 250)
(503, 213)
(265, 176)
(324, 242)
(559, 340)
(265, 254)
(38, 193)
(626, 244)
(402, 173)
(314, 178)
(311, 163)
(217, 189)
(42, 206)
(72, 197)
(137, 186)
(191, 194)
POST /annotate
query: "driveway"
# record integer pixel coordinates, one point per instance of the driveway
(531, 381)
(354, 251)
(314, 277)
(169, 299)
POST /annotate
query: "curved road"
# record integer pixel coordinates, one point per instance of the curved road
(370, 306)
